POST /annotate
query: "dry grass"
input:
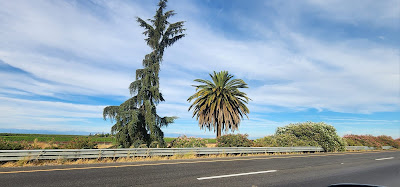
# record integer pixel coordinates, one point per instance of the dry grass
(54, 145)
(28, 162)
(211, 145)
(104, 145)
(44, 145)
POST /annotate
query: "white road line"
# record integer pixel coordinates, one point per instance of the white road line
(234, 175)
(384, 158)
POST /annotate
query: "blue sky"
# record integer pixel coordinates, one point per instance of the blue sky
(62, 62)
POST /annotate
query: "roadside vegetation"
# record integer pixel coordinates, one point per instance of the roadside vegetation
(10, 141)
(292, 135)
(234, 140)
(187, 142)
(28, 163)
(371, 141)
(79, 142)
(304, 134)
(100, 137)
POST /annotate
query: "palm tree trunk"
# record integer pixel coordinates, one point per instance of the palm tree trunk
(218, 130)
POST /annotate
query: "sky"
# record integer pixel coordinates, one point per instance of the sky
(335, 61)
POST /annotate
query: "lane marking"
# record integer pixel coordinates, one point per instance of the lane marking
(384, 158)
(182, 162)
(234, 175)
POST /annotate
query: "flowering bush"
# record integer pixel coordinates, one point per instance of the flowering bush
(371, 141)
(234, 140)
(389, 141)
(187, 142)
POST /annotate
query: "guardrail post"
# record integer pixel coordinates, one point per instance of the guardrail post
(100, 154)
(40, 154)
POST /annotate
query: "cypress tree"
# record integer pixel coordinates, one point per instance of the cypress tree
(136, 120)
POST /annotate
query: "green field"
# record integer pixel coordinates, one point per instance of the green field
(65, 138)
(50, 137)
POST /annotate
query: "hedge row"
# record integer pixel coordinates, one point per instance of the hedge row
(371, 141)
(298, 134)
(309, 134)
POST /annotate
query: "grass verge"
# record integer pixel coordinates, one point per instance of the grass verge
(28, 163)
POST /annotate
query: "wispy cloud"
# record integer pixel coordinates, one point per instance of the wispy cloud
(46, 115)
(59, 49)
(380, 14)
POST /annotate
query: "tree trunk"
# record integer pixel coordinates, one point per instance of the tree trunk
(218, 130)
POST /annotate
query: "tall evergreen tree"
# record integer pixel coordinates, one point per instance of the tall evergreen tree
(136, 119)
(219, 104)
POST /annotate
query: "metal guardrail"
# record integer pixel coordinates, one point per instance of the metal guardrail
(51, 154)
(360, 148)
(387, 147)
(47, 154)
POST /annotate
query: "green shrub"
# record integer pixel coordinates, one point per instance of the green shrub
(137, 144)
(267, 141)
(310, 134)
(234, 140)
(283, 140)
(155, 144)
(80, 143)
(187, 142)
(8, 145)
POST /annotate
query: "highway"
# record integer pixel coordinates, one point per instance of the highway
(322, 169)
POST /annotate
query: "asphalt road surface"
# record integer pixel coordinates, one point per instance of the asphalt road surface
(378, 168)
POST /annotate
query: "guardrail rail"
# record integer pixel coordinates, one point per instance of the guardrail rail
(49, 154)
(360, 148)
(12, 155)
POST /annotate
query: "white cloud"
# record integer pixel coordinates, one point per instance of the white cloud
(23, 107)
(68, 48)
(63, 76)
(69, 45)
(345, 76)
(47, 115)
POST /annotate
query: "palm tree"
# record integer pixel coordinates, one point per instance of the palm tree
(219, 104)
